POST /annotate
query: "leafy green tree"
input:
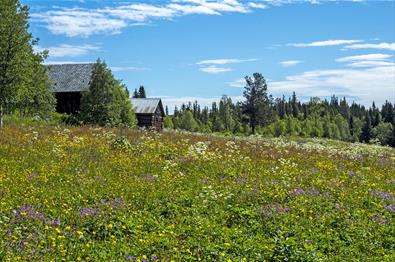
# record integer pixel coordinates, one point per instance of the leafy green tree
(383, 132)
(23, 84)
(188, 122)
(36, 98)
(257, 104)
(226, 113)
(107, 100)
(167, 122)
(279, 128)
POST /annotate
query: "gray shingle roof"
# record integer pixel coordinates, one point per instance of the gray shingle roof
(146, 105)
(70, 77)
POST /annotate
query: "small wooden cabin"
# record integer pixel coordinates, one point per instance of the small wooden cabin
(149, 112)
(68, 83)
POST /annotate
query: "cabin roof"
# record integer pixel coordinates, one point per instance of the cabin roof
(70, 77)
(146, 105)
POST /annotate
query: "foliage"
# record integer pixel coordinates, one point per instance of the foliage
(107, 101)
(316, 118)
(257, 104)
(139, 93)
(97, 194)
(24, 86)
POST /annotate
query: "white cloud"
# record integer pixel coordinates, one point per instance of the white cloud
(79, 22)
(257, 5)
(326, 43)
(214, 69)
(290, 63)
(239, 83)
(85, 22)
(211, 66)
(369, 63)
(374, 57)
(65, 50)
(367, 60)
(225, 61)
(367, 84)
(128, 68)
(384, 46)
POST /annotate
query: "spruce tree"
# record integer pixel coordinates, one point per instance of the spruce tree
(366, 129)
(141, 92)
(257, 104)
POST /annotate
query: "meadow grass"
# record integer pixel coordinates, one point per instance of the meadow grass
(96, 194)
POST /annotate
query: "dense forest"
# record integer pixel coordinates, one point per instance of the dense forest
(335, 118)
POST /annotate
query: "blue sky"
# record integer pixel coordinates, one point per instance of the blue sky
(184, 50)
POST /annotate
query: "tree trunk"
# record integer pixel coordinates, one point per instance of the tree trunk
(1, 116)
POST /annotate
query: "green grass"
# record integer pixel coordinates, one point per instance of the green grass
(94, 194)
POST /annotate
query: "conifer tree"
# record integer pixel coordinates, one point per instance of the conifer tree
(141, 92)
(257, 104)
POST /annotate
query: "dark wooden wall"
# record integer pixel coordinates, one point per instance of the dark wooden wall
(68, 102)
(154, 121)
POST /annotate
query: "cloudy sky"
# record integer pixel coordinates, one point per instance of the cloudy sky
(184, 50)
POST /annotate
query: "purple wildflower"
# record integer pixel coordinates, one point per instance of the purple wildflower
(113, 203)
(55, 222)
(379, 220)
(29, 212)
(154, 258)
(273, 209)
(241, 180)
(298, 192)
(390, 208)
(384, 161)
(351, 173)
(387, 195)
(88, 211)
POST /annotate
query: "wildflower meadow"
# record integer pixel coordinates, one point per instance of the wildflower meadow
(97, 194)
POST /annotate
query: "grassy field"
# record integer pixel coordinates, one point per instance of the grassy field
(92, 194)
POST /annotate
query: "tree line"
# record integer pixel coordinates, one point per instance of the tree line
(260, 113)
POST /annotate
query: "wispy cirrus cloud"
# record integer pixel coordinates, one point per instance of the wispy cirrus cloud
(375, 57)
(375, 83)
(239, 83)
(129, 68)
(212, 69)
(367, 60)
(225, 61)
(326, 43)
(212, 66)
(112, 19)
(289, 63)
(383, 46)
(66, 50)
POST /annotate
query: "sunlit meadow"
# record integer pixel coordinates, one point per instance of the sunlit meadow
(96, 194)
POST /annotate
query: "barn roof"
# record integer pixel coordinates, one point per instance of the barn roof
(70, 77)
(146, 105)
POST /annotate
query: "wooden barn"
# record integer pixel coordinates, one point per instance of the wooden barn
(68, 82)
(149, 112)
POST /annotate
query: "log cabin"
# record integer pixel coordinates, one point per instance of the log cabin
(69, 81)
